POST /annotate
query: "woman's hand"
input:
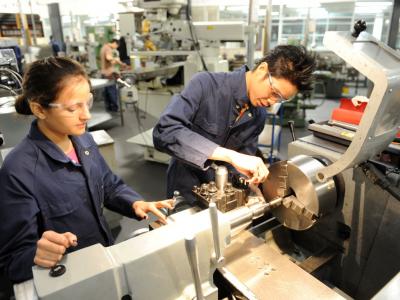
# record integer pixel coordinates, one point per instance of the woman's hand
(141, 209)
(52, 246)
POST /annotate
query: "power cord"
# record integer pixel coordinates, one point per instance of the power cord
(379, 178)
(193, 34)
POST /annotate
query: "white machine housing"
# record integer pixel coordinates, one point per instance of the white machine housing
(173, 6)
(381, 119)
(150, 266)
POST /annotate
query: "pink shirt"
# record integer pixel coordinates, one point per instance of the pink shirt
(72, 155)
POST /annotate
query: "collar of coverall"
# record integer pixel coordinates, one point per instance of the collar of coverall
(240, 90)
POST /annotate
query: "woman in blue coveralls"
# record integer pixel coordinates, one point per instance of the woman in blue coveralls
(55, 183)
(219, 116)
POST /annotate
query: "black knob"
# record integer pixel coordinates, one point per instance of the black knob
(57, 270)
(359, 26)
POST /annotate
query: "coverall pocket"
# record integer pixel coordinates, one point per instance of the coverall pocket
(65, 202)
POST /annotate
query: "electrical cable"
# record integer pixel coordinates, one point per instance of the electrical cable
(2, 86)
(380, 179)
(139, 122)
(16, 74)
(317, 105)
(193, 34)
(137, 111)
(17, 77)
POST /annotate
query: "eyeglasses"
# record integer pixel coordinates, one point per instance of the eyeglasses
(76, 107)
(275, 93)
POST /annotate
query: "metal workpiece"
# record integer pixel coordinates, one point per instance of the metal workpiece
(242, 217)
(380, 122)
(239, 219)
(221, 177)
(305, 198)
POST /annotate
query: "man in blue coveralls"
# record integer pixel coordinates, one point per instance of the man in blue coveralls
(219, 116)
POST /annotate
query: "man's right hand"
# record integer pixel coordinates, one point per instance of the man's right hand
(52, 246)
(251, 166)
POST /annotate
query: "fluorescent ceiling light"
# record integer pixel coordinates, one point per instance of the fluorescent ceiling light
(243, 8)
(218, 3)
(315, 12)
(261, 12)
(302, 11)
(318, 12)
(301, 3)
(377, 3)
(134, 9)
(368, 10)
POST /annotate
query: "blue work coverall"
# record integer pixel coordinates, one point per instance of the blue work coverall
(201, 118)
(42, 189)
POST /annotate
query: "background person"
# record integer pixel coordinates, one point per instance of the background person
(110, 63)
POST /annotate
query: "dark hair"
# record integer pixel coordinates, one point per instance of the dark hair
(114, 41)
(44, 80)
(123, 53)
(293, 63)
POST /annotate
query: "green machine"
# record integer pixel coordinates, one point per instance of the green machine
(296, 108)
(102, 34)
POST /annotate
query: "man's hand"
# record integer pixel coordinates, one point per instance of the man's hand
(125, 66)
(251, 166)
(141, 209)
(52, 246)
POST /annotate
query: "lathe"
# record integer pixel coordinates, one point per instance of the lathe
(340, 229)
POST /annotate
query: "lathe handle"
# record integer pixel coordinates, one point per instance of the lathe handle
(215, 230)
(359, 26)
(191, 251)
(291, 127)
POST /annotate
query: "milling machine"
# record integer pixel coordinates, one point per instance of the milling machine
(184, 48)
(195, 45)
(319, 194)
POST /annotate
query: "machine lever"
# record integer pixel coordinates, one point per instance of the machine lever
(359, 26)
(191, 251)
(291, 127)
(124, 83)
(215, 230)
